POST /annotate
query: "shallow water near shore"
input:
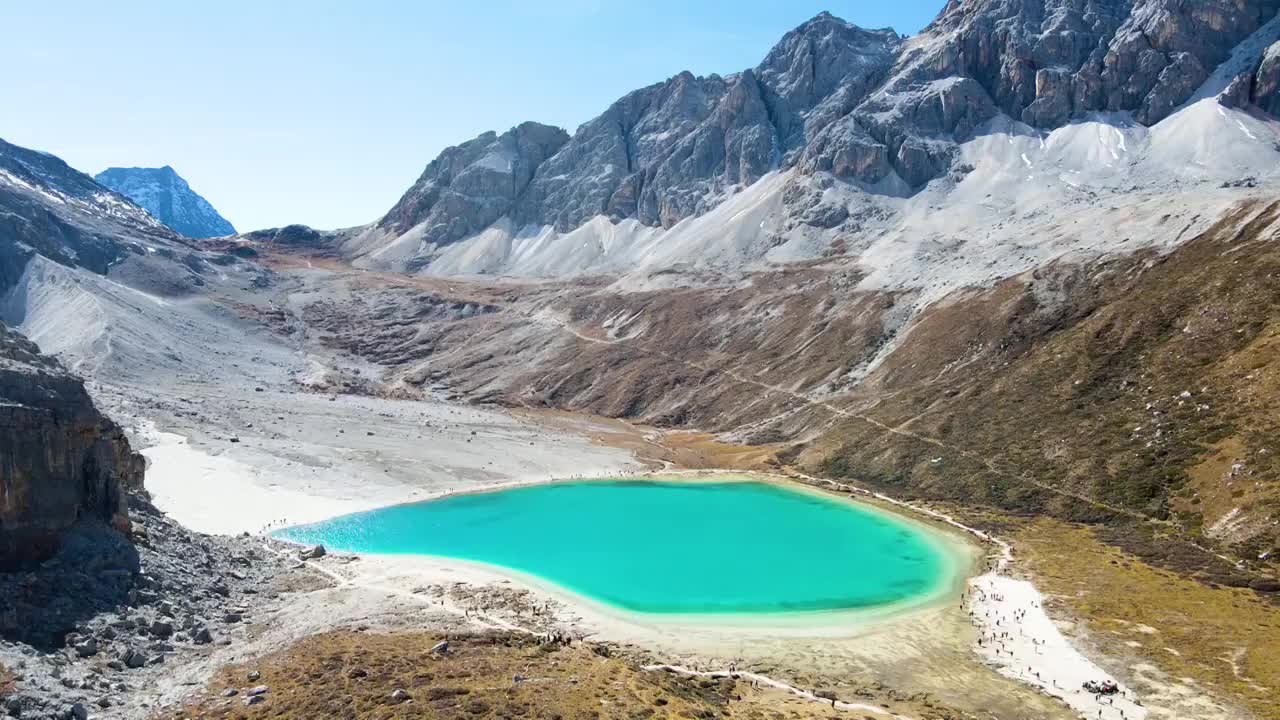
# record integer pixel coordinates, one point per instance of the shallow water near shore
(668, 547)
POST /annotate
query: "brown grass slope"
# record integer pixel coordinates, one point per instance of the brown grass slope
(1138, 389)
(345, 674)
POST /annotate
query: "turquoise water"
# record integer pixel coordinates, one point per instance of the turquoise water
(665, 547)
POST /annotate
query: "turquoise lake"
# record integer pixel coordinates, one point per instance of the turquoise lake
(666, 546)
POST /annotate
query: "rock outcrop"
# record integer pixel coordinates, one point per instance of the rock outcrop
(104, 622)
(1260, 86)
(168, 197)
(1042, 61)
(1266, 84)
(61, 461)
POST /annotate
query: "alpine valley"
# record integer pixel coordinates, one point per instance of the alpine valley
(1014, 280)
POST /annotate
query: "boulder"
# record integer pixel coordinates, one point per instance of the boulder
(1265, 586)
(133, 658)
(311, 553)
(161, 628)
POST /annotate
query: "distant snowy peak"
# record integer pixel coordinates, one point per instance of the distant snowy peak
(164, 194)
(50, 209)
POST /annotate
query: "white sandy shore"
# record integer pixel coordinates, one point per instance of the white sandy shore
(901, 646)
(1018, 638)
(350, 454)
(1023, 643)
(383, 575)
(220, 495)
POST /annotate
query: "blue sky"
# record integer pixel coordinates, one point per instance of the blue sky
(325, 112)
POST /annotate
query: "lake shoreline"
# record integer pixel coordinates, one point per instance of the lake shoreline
(959, 556)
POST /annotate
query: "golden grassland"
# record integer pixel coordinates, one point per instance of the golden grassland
(1227, 639)
(696, 450)
(1143, 387)
(346, 674)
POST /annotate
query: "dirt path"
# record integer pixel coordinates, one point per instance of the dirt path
(986, 462)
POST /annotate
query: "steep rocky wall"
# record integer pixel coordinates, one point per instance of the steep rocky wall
(61, 461)
(870, 107)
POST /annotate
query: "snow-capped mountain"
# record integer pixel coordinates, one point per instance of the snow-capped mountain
(48, 208)
(1004, 109)
(169, 198)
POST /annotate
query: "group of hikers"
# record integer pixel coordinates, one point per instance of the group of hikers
(1102, 690)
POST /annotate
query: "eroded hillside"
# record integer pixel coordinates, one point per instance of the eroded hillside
(1138, 391)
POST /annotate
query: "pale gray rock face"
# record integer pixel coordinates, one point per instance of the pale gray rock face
(1042, 61)
(1164, 50)
(164, 194)
(820, 71)
(473, 184)
(866, 106)
(605, 168)
(735, 145)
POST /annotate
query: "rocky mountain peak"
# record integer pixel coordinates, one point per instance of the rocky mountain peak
(168, 197)
(884, 114)
(48, 208)
(40, 172)
(824, 60)
(1044, 61)
(471, 185)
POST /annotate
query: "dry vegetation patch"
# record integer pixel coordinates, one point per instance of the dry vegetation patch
(1140, 387)
(346, 674)
(354, 675)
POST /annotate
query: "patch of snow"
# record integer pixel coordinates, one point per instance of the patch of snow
(497, 161)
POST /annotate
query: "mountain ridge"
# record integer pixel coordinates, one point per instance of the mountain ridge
(167, 196)
(869, 112)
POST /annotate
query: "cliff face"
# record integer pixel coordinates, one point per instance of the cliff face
(61, 461)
